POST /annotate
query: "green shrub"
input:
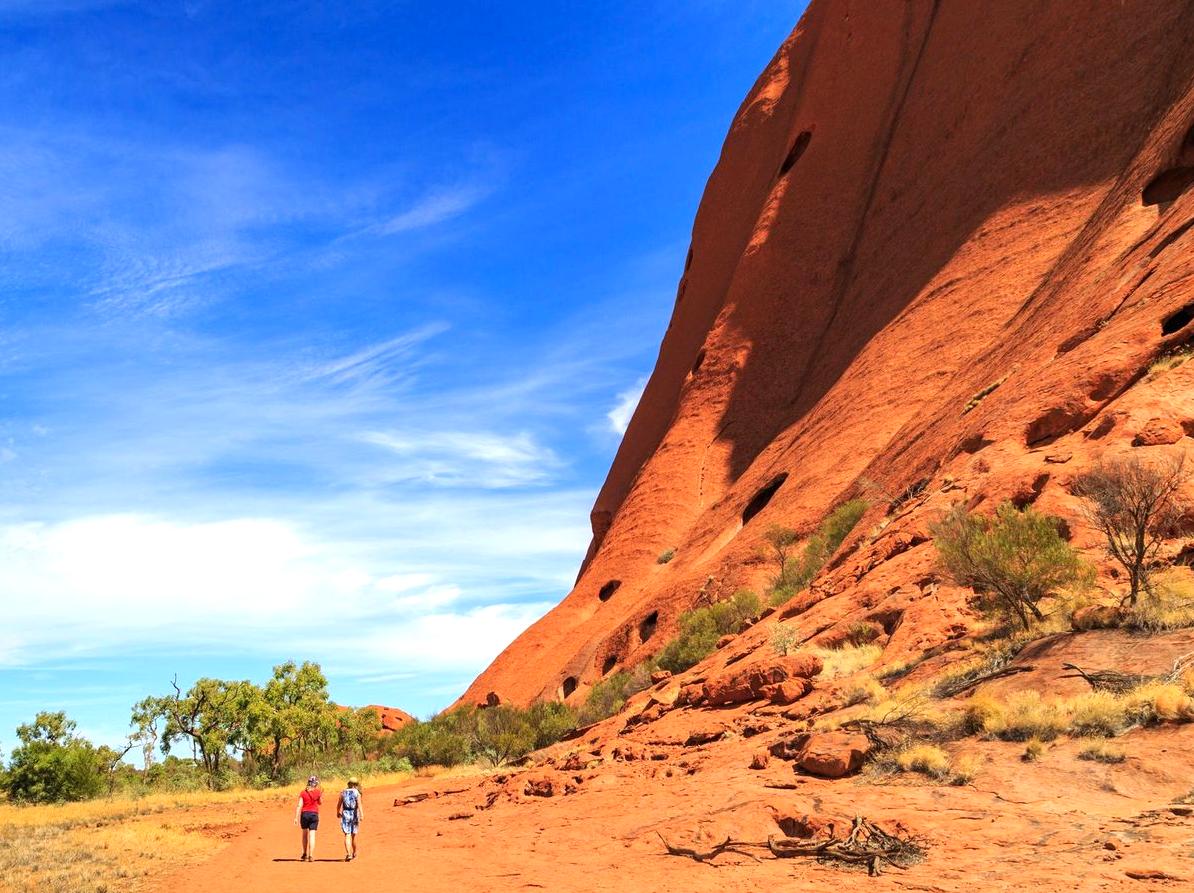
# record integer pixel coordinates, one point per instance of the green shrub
(665, 556)
(700, 629)
(1012, 560)
(52, 764)
(609, 695)
(797, 572)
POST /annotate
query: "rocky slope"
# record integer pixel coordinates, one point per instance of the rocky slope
(942, 247)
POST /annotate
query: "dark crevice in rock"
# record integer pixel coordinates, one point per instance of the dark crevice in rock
(759, 501)
(608, 590)
(798, 146)
(647, 625)
(1178, 320)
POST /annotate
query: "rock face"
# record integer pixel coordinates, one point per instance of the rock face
(941, 250)
(392, 719)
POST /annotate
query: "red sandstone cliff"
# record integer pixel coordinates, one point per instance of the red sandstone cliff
(915, 202)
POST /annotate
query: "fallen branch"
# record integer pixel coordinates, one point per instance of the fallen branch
(952, 690)
(727, 845)
(1107, 680)
(867, 844)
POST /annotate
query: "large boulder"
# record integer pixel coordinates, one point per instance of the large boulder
(755, 679)
(833, 754)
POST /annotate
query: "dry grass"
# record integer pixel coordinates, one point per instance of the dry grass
(1169, 607)
(1102, 752)
(1170, 360)
(929, 760)
(837, 662)
(1025, 715)
(115, 845)
(1033, 750)
(864, 690)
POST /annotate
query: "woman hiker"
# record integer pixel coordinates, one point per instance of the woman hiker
(350, 810)
(306, 816)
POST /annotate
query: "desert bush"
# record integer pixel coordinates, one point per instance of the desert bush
(1135, 505)
(796, 573)
(665, 556)
(1012, 560)
(930, 760)
(1168, 606)
(609, 695)
(1102, 752)
(444, 739)
(701, 627)
(785, 640)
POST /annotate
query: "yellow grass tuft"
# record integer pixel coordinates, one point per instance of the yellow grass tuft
(927, 759)
(864, 689)
(846, 661)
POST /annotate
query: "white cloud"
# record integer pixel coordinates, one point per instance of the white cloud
(619, 416)
(113, 583)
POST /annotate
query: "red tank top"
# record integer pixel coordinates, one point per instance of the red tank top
(311, 799)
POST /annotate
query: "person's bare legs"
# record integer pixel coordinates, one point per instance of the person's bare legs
(311, 846)
(349, 849)
(303, 832)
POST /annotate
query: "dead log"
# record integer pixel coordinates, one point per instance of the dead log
(1107, 680)
(953, 689)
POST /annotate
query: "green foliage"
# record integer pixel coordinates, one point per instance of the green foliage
(445, 739)
(701, 627)
(665, 556)
(796, 572)
(497, 735)
(53, 765)
(609, 695)
(1012, 560)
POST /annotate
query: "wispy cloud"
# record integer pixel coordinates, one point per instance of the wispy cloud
(619, 416)
(432, 209)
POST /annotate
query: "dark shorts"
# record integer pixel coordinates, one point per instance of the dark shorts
(309, 821)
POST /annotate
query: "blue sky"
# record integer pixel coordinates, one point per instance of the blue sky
(320, 321)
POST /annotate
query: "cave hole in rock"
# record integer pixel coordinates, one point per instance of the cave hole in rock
(569, 686)
(759, 501)
(1166, 186)
(1177, 321)
(699, 361)
(608, 590)
(646, 627)
(798, 146)
(610, 663)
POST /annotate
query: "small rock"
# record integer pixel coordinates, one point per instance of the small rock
(760, 760)
(1182, 810)
(1151, 874)
(1059, 458)
(725, 640)
(658, 676)
(456, 816)
(1157, 432)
